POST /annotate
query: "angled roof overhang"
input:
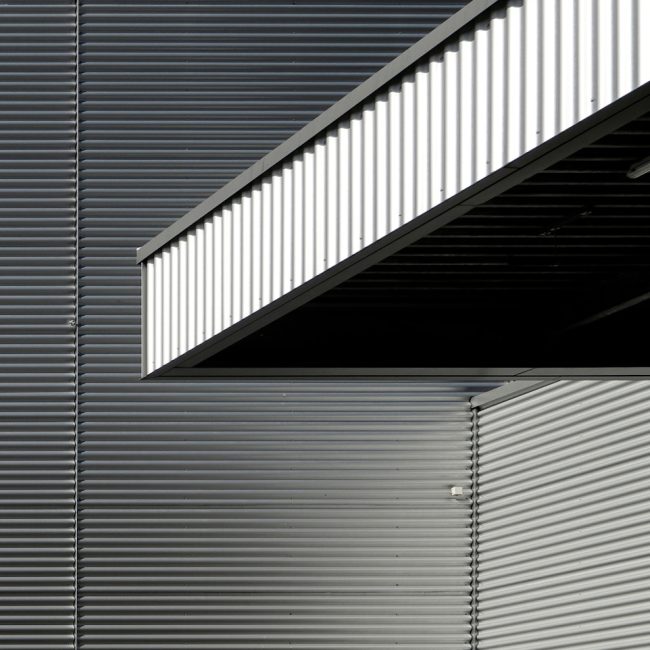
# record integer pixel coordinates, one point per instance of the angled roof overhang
(489, 100)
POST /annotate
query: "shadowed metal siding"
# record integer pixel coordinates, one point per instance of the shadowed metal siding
(37, 156)
(527, 71)
(563, 518)
(214, 511)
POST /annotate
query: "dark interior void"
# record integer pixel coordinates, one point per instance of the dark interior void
(554, 272)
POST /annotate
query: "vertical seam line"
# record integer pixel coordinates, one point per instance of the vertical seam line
(475, 536)
(75, 636)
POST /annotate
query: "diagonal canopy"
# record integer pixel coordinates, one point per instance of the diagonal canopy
(332, 258)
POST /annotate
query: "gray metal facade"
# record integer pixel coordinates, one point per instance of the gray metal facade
(37, 260)
(303, 514)
(175, 98)
(563, 518)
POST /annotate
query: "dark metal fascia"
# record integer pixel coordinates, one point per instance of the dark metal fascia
(541, 375)
(456, 23)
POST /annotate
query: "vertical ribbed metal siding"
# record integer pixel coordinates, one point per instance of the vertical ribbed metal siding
(537, 67)
(563, 518)
(196, 498)
(37, 163)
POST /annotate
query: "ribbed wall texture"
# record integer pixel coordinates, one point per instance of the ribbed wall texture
(536, 66)
(212, 514)
(262, 515)
(37, 257)
(563, 518)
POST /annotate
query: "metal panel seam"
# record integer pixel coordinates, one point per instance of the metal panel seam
(75, 326)
(474, 539)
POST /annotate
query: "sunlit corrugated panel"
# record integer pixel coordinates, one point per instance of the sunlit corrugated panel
(563, 518)
(305, 514)
(37, 248)
(512, 81)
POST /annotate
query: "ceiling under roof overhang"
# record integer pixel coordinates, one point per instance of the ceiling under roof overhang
(469, 215)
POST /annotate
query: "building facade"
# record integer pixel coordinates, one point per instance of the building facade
(106, 107)
(253, 512)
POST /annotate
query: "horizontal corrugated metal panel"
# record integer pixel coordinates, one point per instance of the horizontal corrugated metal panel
(212, 514)
(538, 67)
(563, 522)
(308, 514)
(37, 155)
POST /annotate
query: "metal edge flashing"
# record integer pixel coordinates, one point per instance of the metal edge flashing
(507, 391)
(471, 374)
(610, 372)
(346, 372)
(456, 23)
(143, 319)
(563, 144)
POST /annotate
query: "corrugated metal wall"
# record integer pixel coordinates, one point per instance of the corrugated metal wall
(256, 515)
(210, 513)
(536, 66)
(563, 518)
(37, 258)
